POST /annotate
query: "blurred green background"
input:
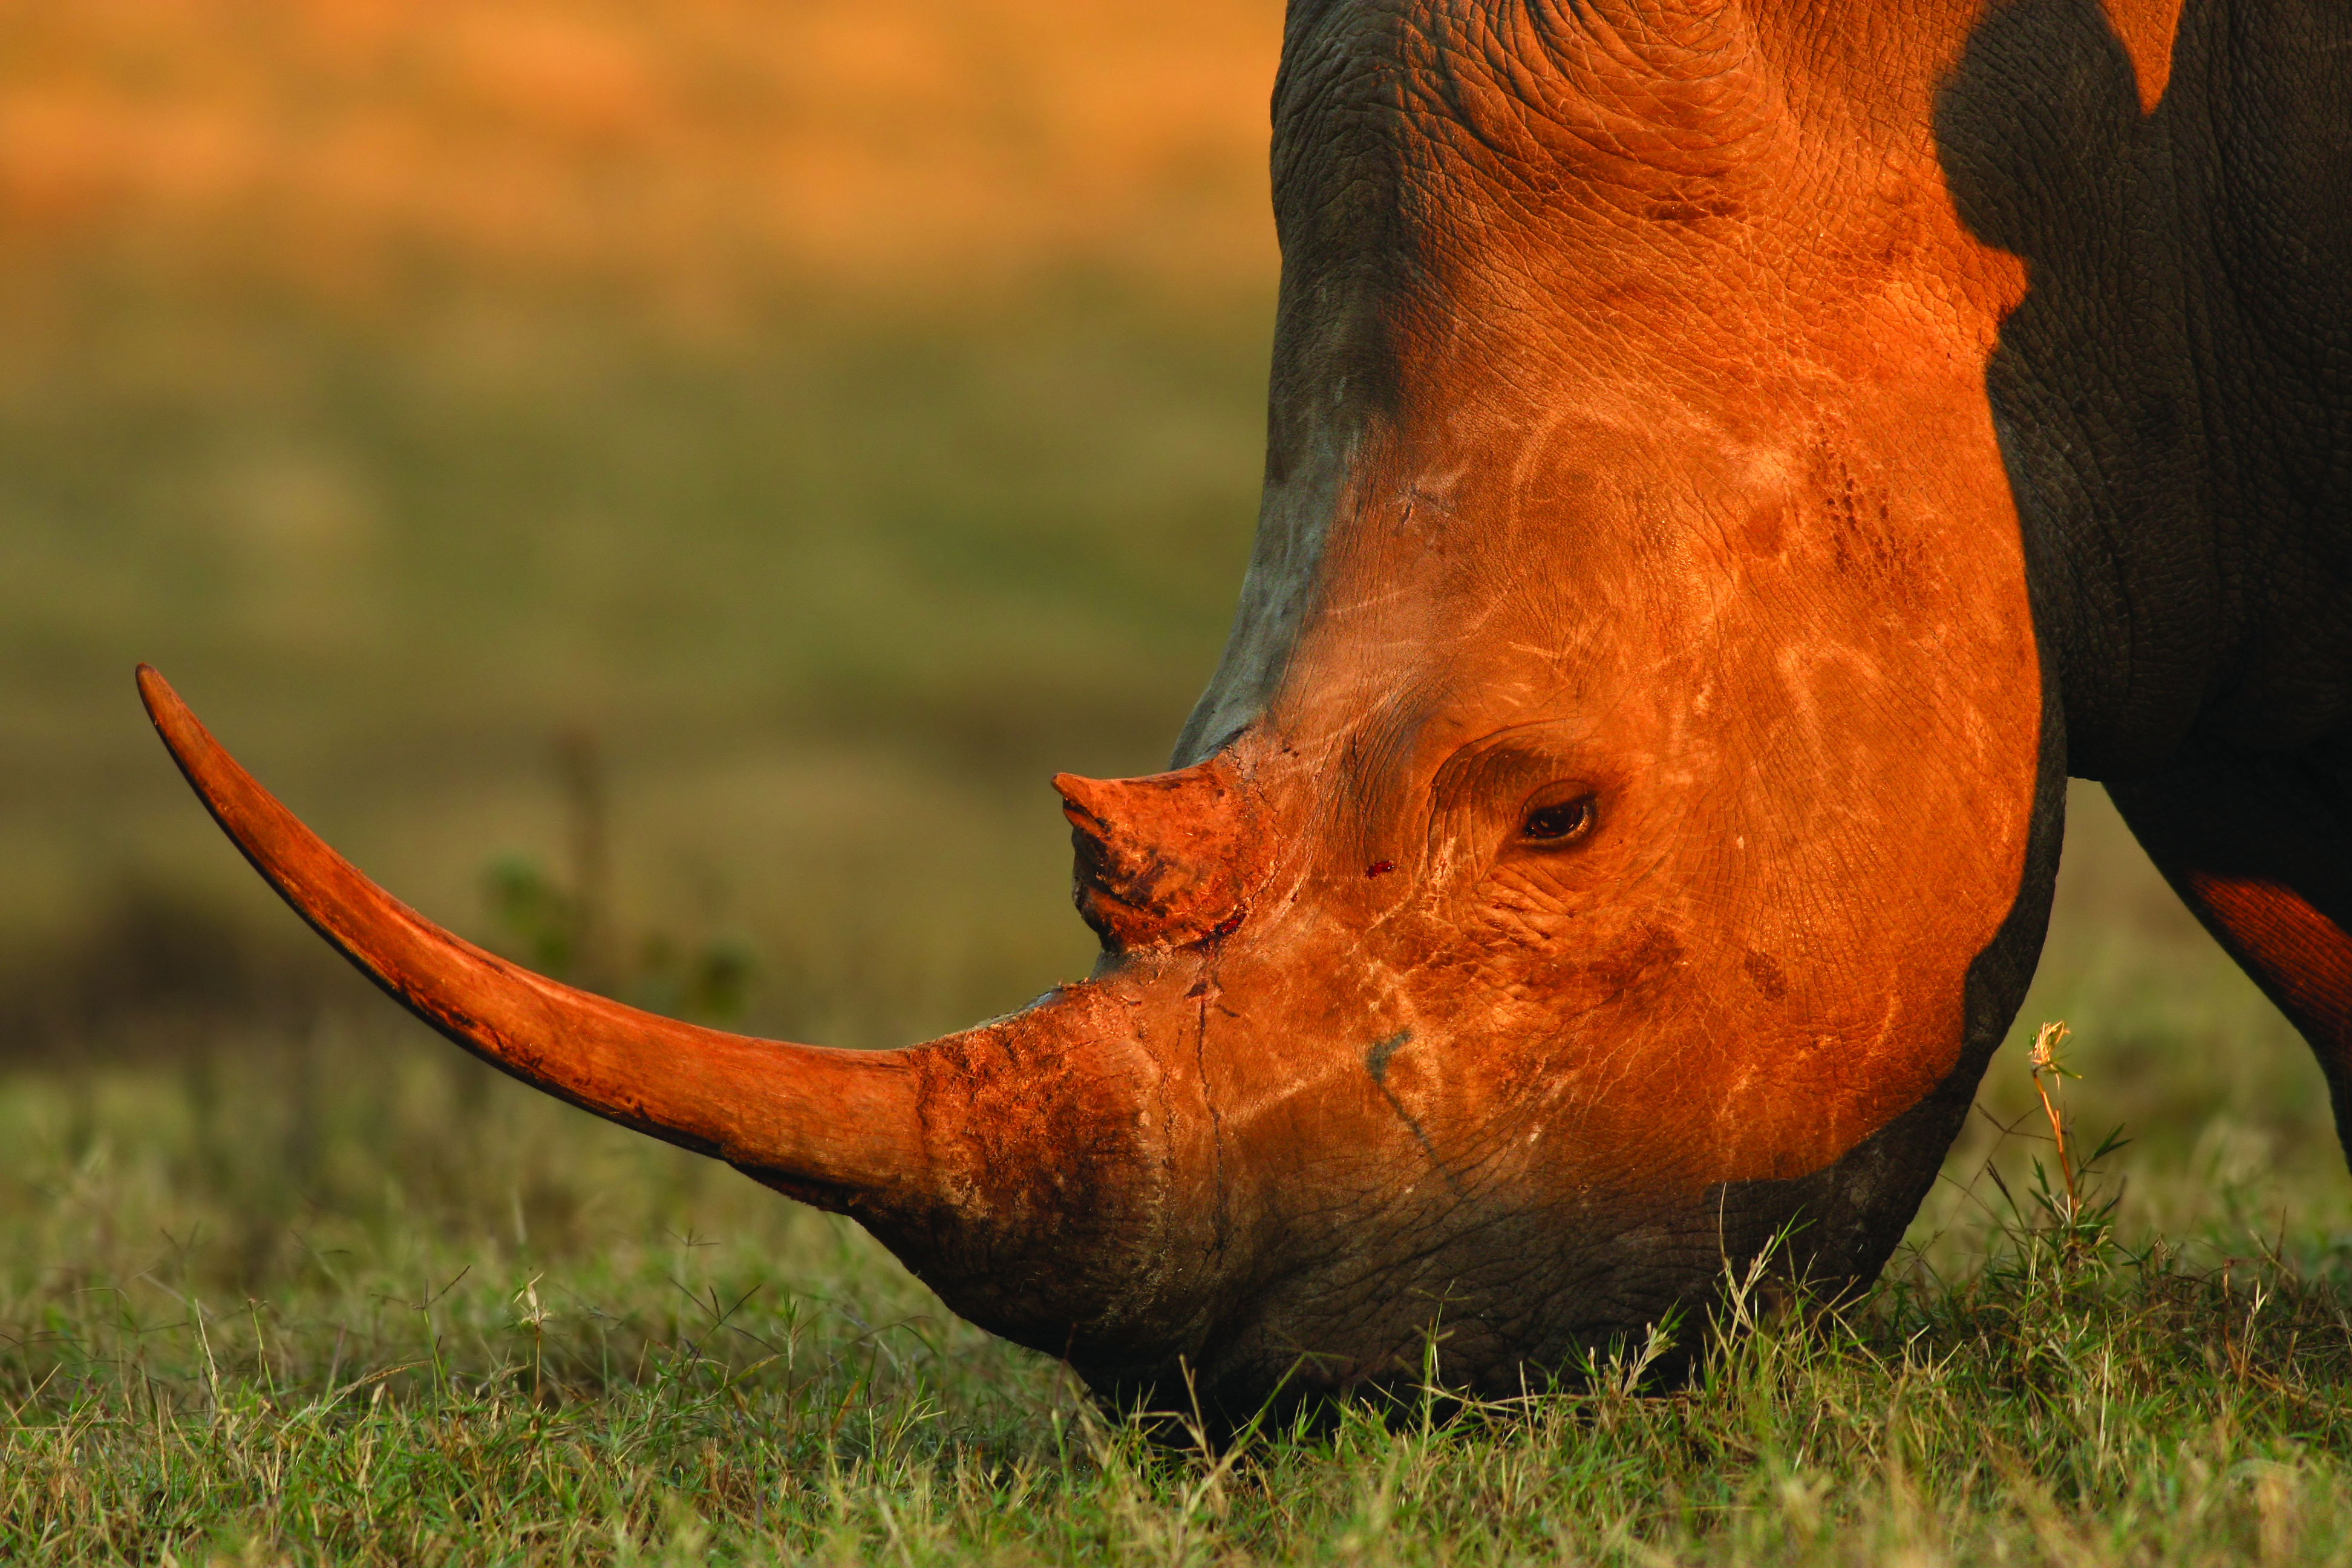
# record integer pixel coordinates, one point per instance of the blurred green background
(826, 420)
(829, 600)
(743, 448)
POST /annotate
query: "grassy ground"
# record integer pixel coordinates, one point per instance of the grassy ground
(837, 577)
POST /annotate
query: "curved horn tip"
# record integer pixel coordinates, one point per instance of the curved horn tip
(152, 686)
(169, 714)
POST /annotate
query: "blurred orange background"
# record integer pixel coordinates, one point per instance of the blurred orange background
(696, 150)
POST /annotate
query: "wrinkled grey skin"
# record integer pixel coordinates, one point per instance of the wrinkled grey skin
(2175, 395)
(1304, 1123)
(2175, 399)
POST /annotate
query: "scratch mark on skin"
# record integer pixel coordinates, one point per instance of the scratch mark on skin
(1203, 994)
(1376, 1062)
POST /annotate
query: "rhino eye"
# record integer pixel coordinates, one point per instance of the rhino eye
(1558, 822)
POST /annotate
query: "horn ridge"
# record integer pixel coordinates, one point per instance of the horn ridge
(837, 1129)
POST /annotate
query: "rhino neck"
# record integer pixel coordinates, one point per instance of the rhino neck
(2257, 145)
(2171, 397)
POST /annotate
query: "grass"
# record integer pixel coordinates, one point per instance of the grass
(692, 150)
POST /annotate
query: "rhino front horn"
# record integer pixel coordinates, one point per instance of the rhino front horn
(839, 1128)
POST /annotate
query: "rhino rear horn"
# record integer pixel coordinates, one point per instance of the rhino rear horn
(838, 1129)
(1162, 861)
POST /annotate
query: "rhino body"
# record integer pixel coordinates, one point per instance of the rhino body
(1729, 462)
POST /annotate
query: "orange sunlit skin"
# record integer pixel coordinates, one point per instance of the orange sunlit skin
(2276, 932)
(2257, 847)
(1719, 475)
(1761, 599)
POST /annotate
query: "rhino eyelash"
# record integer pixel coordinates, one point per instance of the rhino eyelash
(1559, 822)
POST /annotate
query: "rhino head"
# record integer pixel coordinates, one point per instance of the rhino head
(1624, 818)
